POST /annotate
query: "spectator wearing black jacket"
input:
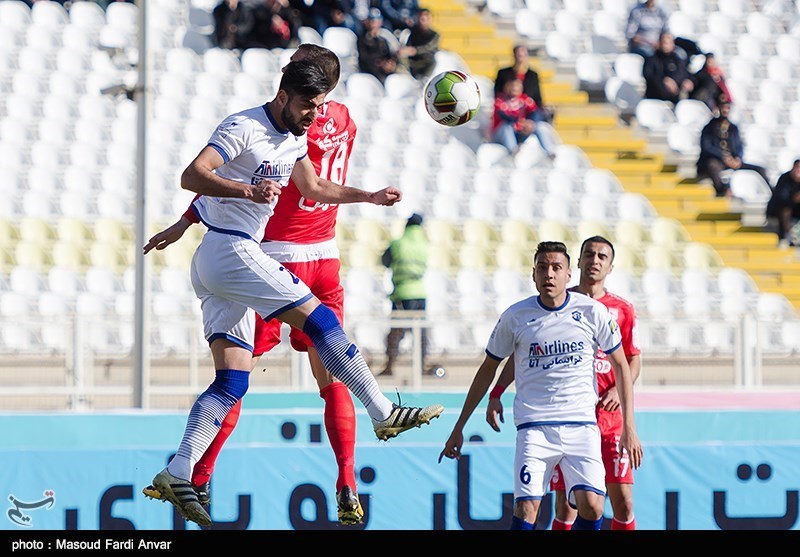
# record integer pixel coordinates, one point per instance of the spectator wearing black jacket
(721, 148)
(521, 70)
(375, 54)
(784, 205)
(665, 73)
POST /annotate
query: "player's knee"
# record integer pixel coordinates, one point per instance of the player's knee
(320, 321)
(232, 382)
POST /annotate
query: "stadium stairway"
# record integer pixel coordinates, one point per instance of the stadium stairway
(627, 151)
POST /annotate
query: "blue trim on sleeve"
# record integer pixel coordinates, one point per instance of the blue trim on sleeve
(609, 351)
(233, 339)
(221, 151)
(287, 307)
(304, 156)
(498, 358)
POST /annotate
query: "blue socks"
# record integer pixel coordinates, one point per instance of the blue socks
(518, 524)
(585, 524)
(205, 419)
(343, 359)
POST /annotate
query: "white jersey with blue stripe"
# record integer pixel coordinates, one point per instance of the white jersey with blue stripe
(254, 148)
(553, 351)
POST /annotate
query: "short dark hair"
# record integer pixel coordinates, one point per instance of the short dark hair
(551, 247)
(324, 58)
(304, 78)
(598, 240)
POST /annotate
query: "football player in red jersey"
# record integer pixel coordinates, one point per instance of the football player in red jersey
(301, 235)
(595, 263)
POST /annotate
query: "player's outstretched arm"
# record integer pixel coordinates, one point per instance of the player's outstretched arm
(494, 409)
(167, 236)
(477, 390)
(629, 438)
(313, 187)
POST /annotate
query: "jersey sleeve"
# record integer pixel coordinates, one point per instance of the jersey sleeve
(630, 332)
(501, 341)
(230, 137)
(607, 332)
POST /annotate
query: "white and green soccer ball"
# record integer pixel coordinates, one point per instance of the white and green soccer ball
(452, 98)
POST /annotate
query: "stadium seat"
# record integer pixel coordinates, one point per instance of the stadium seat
(341, 40)
(560, 47)
(531, 24)
(628, 67)
(701, 256)
(749, 186)
(655, 115)
(635, 206)
(684, 139)
(687, 338)
(733, 282)
(719, 336)
(772, 306)
(592, 70)
(49, 14)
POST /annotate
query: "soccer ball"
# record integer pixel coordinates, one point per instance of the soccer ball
(452, 98)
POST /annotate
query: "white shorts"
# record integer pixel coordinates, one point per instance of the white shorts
(234, 280)
(576, 448)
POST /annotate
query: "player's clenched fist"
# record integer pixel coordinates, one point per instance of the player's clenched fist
(387, 196)
(266, 191)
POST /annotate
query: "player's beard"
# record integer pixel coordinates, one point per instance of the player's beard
(293, 124)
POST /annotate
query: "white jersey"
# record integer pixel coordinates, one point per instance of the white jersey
(553, 351)
(254, 148)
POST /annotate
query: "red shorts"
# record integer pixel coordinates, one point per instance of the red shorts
(322, 277)
(618, 469)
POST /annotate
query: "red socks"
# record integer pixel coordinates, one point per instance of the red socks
(617, 525)
(340, 425)
(559, 525)
(205, 466)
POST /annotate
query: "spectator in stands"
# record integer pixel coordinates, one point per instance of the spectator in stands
(398, 14)
(334, 13)
(709, 83)
(418, 54)
(375, 54)
(721, 148)
(512, 123)
(784, 205)
(234, 22)
(276, 25)
(646, 22)
(522, 70)
(666, 74)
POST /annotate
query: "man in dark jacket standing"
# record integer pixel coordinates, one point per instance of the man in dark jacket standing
(721, 148)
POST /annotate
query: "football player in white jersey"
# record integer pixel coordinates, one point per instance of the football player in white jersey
(249, 158)
(553, 338)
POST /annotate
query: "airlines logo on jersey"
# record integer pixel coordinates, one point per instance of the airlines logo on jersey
(272, 170)
(561, 353)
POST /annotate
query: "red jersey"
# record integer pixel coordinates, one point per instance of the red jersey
(625, 315)
(330, 142)
(304, 221)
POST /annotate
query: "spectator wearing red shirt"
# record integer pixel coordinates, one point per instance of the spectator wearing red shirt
(512, 121)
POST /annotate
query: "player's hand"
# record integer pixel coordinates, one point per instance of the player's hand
(452, 449)
(266, 191)
(610, 400)
(494, 412)
(167, 236)
(629, 441)
(387, 196)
